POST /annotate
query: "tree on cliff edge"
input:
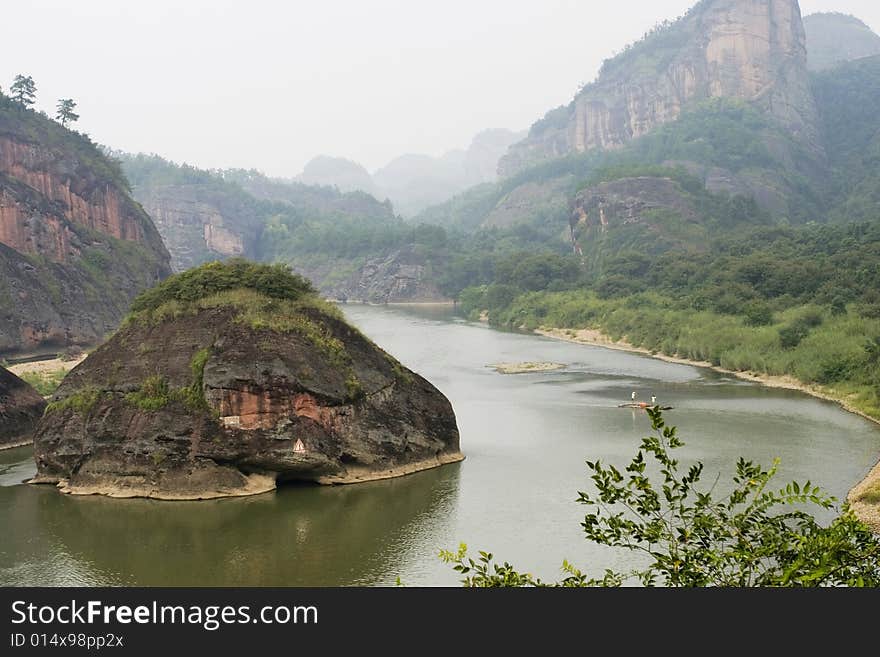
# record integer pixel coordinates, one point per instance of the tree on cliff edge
(24, 90)
(65, 113)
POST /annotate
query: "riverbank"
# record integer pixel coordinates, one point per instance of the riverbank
(48, 366)
(596, 338)
(45, 375)
(869, 513)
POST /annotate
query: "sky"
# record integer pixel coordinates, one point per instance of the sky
(268, 85)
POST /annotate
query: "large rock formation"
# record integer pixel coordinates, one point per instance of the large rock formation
(228, 379)
(629, 201)
(834, 38)
(200, 223)
(75, 248)
(750, 50)
(401, 277)
(20, 410)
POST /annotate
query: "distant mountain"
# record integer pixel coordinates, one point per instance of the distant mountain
(349, 244)
(414, 182)
(338, 172)
(833, 38)
(848, 97)
(722, 93)
(75, 247)
(208, 215)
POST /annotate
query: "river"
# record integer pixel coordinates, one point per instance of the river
(525, 437)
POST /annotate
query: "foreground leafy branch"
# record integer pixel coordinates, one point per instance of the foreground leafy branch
(752, 536)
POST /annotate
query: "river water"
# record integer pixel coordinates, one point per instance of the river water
(525, 437)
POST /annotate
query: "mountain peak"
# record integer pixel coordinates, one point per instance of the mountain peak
(834, 38)
(749, 50)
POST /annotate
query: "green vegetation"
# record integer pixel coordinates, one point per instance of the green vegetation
(872, 495)
(691, 536)
(797, 301)
(35, 128)
(273, 281)
(24, 90)
(65, 113)
(155, 393)
(847, 98)
(45, 383)
(263, 297)
(82, 401)
(278, 220)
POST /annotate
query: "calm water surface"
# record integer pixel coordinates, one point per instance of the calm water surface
(525, 436)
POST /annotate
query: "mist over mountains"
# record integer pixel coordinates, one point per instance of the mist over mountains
(414, 182)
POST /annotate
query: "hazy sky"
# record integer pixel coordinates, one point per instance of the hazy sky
(270, 84)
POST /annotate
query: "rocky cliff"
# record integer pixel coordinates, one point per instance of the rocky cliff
(749, 50)
(400, 277)
(78, 248)
(20, 409)
(629, 201)
(200, 223)
(228, 379)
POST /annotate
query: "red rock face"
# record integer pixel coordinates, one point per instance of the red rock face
(260, 409)
(87, 203)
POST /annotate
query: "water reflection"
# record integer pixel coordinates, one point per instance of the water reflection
(305, 536)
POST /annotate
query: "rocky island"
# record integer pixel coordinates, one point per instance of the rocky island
(20, 409)
(228, 379)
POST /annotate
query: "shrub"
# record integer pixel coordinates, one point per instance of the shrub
(753, 536)
(792, 335)
(758, 313)
(274, 281)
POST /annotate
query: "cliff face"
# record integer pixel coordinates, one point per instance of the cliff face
(401, 277)
(628, 201)
(199, 224)
(76, 247)
(20, 410)
(750, 50)
(76, 193)
(230, 399)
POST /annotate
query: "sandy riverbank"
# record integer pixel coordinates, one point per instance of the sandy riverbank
(868, 513)
(45, 366)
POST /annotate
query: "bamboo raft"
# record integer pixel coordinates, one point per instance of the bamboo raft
(644, 405)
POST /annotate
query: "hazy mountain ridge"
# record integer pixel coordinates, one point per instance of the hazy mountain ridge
(733, 143)
(834, 38)
(207, 215)
(349, 244)
(413, 182)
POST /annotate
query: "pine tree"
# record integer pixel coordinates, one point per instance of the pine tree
(65, 113)
(24, 90)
